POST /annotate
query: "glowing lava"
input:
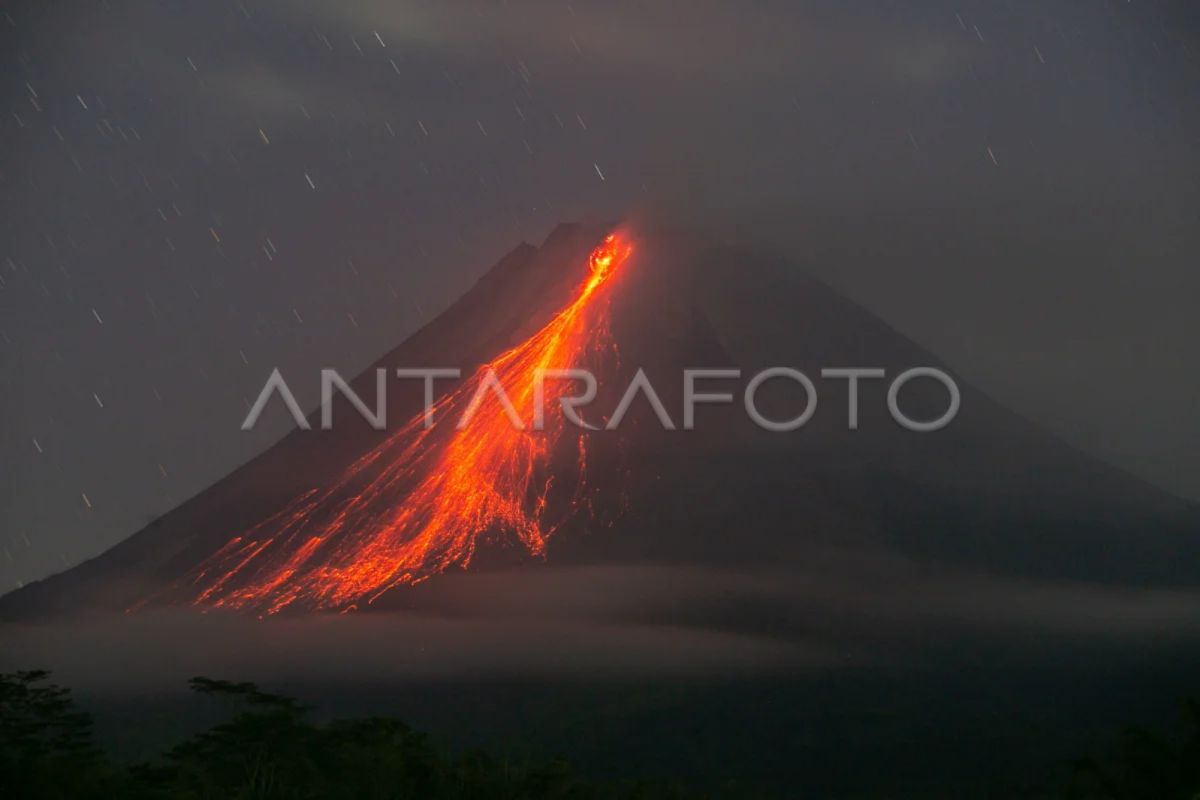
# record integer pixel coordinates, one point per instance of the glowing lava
(421, 501)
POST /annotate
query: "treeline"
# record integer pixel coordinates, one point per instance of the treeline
(270, 750)
(1144, 765)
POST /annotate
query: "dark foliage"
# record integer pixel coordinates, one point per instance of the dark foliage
(266, 750)
(1145, 766)
(46, 748)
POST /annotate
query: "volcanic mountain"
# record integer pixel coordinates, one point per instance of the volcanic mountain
(352, 517)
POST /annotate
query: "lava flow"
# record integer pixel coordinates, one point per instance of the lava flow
(421, 501)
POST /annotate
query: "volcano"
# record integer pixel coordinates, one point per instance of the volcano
(352, 518)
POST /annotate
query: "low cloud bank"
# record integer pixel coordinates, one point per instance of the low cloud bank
(613, 622)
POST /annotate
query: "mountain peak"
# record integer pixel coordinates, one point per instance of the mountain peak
(726, 492)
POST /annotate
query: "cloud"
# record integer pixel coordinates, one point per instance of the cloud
(692, 41)
(615, 622)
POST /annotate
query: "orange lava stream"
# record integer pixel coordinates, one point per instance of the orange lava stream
(419, 503)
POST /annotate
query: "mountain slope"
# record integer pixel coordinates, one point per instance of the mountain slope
(990, 491)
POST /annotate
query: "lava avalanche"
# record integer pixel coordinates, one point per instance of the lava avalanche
(423, 500)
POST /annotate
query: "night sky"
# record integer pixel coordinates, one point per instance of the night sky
(195, 193)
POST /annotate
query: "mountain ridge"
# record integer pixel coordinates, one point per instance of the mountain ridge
(692, 299)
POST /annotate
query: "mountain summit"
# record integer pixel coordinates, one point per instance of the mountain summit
(342, 518)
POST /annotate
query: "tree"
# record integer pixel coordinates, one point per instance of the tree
(46, 747)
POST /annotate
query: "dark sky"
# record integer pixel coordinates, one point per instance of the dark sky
(194, 193)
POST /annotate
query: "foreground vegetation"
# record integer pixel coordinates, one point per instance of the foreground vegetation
(269, 749)
(1146, 765)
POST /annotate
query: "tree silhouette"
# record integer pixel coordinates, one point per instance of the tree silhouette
(1146, 766)
(46, 748)
(269, 750)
